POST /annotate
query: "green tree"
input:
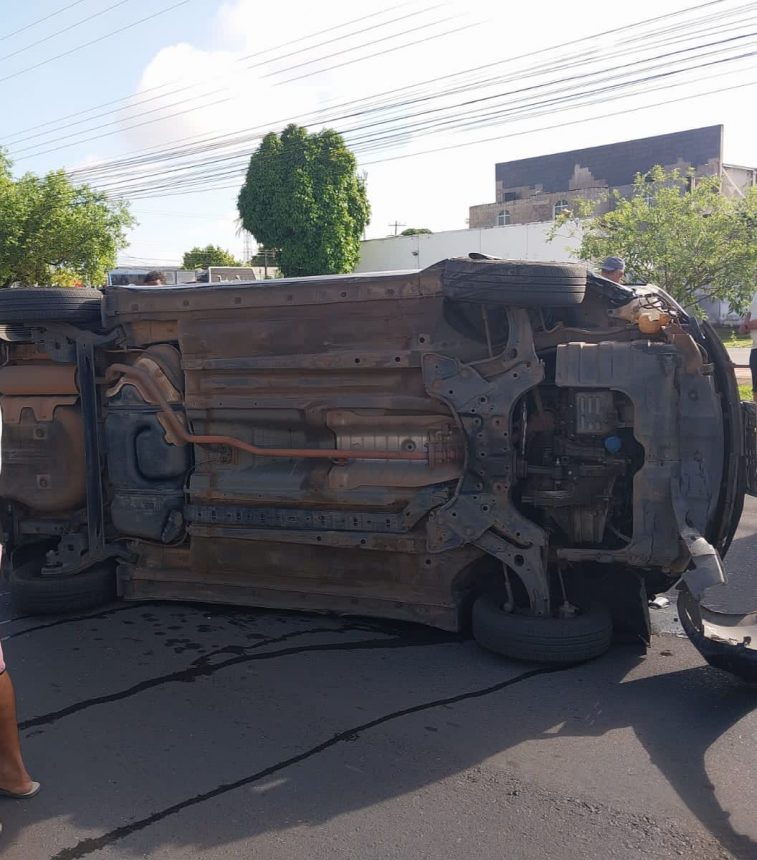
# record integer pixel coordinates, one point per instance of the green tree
(415, 231)
(55, 232)
(304, 197)
(210, 255)
(676, 231)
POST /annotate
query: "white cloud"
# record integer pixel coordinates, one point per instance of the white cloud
(236, 79)
(192, 91)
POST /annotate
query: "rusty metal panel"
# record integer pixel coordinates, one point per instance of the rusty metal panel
(126, 302)
(273, 376)
(334, 579)
(43, 464)
(38, 379)
(316, 363)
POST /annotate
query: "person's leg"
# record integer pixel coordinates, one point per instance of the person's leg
(13, 774)
(753, 368)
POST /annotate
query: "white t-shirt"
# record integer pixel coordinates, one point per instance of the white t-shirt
(753, 318)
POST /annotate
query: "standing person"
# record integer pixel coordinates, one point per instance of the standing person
(155, 279)
(15, 781)
(613, 269)
(749, 326)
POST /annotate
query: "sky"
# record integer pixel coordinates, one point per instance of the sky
(168, 70)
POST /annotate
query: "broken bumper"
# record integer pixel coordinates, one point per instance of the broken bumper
(727, 642)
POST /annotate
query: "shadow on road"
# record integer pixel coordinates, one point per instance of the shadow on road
(306, 735)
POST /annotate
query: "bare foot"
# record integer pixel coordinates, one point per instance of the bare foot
(31, 791)
(16, 783)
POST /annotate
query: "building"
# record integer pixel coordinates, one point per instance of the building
(514, 242)
(538, 189)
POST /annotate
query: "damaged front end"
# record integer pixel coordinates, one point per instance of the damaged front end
(727, 641)
(720, 620)
(606, 446)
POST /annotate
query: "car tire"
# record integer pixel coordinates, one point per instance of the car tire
(59, 304)
(512, 282)
(50, 595)
(542, 640)
(736, 660)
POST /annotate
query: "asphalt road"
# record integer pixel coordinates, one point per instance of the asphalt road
(176, 731)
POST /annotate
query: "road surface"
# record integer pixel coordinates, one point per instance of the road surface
(174, 731)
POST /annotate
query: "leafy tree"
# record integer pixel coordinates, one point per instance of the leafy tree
(676, 231)
(304, 197)
(415, 231)
(55, 232)
(210, 255)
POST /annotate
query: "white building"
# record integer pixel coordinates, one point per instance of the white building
(512, 242)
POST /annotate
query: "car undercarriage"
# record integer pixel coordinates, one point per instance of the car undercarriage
(524, 448)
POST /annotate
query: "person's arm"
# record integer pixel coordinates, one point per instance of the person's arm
(747, 324)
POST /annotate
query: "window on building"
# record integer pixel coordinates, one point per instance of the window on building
(560, 206)
(503, 217)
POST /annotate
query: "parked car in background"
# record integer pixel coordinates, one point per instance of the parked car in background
(523, 449)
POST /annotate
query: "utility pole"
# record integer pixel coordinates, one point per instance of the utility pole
(396, 226)
(247, 251)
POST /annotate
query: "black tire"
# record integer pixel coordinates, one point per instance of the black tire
(734, 659)
(542, 640)
(514, 282)
(50, 595)
(61, 304)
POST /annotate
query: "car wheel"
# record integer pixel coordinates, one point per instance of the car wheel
(543, 640)
(734, 659)
(62, 304)
(507, 282)
(47, 595)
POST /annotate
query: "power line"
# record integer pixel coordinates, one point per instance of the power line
(78, 23)
(183, 89)
(351, 49)
(207, 167)
(41, 20)
(136, 104)
(551, 127)
(458, 75)
(150, 191)
(602, 90)
(94, 41)
(364, 57)
(163, 118)
(610, 81)
(359, 32)
(193, 99)
(554, 127)
(630, 48)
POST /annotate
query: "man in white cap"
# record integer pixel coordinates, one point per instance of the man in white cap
(613, 268)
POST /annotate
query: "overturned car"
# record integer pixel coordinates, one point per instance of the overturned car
(524, 449)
